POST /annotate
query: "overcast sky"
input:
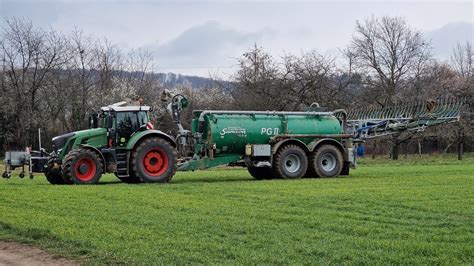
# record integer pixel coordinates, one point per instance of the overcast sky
(202, 37)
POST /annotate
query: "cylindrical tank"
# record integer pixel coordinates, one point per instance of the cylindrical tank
(230, 131)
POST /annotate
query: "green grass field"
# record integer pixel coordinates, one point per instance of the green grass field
(415, 211)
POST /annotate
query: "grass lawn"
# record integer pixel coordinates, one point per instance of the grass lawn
(410, 212)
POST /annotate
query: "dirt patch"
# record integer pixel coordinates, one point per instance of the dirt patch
(12, 253)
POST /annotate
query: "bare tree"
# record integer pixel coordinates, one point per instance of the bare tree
(82, 51)
(389, 51)
(134, 76)
(258, 83)
(263, 83)
(108, 57)
(30, 55)
(462, 59)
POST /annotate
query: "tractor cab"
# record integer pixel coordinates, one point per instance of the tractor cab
(121, 122)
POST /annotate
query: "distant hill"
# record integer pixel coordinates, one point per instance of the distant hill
(173, 80)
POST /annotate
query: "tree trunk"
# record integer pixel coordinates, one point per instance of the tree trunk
(395, 148)
(373, 151)
(419, 148)
(406, 150)
(460, 145)
(460, 150)
(447, 148)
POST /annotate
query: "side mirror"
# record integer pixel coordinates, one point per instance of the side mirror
(93, 120)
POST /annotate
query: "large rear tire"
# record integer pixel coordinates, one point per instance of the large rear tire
(53, 174)
(154, 160)
(260, 173)
(290, 162)
(82, 166)
(327, 161)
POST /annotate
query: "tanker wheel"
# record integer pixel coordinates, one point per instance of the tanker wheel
(290, 162)
(82, 167)
(154, 160)
(260, 173)
(53, 175)
(327, 161)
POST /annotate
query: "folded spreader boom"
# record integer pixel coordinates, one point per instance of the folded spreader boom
(378, 122)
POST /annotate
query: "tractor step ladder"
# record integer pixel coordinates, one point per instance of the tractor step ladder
(122, 162)
(378, 122)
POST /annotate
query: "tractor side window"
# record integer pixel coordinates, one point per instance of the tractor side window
(142, 118)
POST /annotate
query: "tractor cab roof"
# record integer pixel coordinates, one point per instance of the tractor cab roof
(121, 107)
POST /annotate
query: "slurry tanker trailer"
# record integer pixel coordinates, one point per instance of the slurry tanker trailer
(270, 144)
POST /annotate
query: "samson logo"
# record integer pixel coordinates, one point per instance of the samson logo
(241, 132)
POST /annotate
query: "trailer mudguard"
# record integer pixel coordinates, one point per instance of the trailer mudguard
(297, 142)
(137, 136)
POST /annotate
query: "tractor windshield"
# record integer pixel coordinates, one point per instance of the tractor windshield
(131, 120)
(124, 120)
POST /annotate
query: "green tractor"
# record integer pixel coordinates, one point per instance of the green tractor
(121, 140)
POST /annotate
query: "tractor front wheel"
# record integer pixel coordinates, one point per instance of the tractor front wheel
(154, 160)
(53, 173)
(82, 167)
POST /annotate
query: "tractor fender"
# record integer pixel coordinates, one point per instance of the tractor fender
(89, 147)
(290, 141)
(149, 133)
(316, 143)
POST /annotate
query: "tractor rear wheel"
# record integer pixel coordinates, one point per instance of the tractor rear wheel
(327, 161)
(290, 162)
(53, 174)
(260, 173)
(154, 160)
(82, 166)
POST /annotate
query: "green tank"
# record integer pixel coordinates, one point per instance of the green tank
(270, 144)
(231, 131)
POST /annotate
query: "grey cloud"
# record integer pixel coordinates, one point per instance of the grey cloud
(40, 13)
(445, 38)
(206, 44)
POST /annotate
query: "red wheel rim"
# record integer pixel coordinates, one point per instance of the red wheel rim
(155, 162)
(85, 169)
